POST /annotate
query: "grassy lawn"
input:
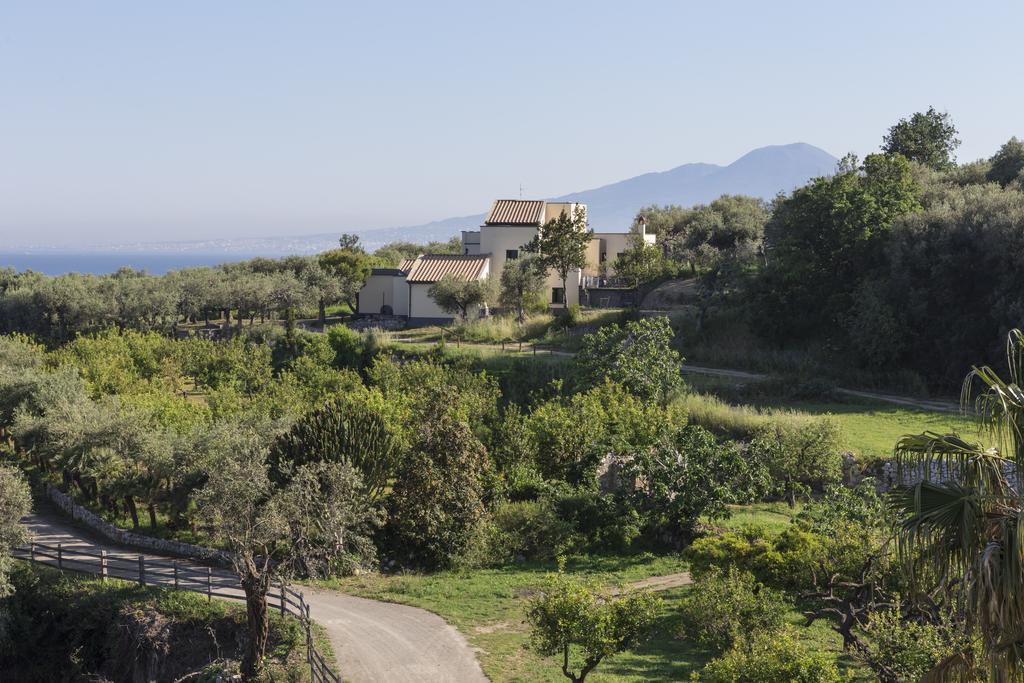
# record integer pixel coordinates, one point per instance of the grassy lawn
(872, 429)
(775, 516)
(487, 606)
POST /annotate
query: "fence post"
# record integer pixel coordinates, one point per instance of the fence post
(103, 565)
(142, 570)
(282, 598)
(209, 585)
(60, 557)
(175, 575)
(535, 349)
(32, 551)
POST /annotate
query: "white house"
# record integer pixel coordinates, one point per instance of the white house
(510, 224)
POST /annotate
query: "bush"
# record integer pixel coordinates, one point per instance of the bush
(347, 345)
(724, 607)
(770, 658)
(787, 560)
(910, 649)
(527, 530)
(602, 524)
(436, 510)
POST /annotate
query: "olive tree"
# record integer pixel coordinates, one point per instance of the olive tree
(521, 282)
(316, 523)
(455, 295)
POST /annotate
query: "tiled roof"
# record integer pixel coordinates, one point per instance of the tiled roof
(433, 267)
(406, 264)
(515, 212)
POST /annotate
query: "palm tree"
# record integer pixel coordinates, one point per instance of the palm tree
(968, 526)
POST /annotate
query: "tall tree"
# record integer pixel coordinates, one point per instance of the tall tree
(823, 239)
(639, 356)
(350, 269)
(1007, 163)
(561, 245)
(928, 138)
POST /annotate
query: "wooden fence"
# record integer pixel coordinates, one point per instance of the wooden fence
(213, 583)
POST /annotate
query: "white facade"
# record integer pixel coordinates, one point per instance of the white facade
(511, 224)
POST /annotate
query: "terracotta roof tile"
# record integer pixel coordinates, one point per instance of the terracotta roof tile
(515, 212)
(433, 267)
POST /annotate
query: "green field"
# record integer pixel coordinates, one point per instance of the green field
(487, 606)
(872, 429)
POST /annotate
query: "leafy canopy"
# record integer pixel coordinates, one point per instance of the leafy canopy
(639, 356)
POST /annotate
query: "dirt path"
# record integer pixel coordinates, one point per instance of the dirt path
(373, 641)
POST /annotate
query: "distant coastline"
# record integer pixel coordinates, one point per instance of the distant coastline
(98, 263)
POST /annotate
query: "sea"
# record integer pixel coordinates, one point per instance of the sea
(99, 263)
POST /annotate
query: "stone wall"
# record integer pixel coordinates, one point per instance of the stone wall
(888, 475)
(127, 538)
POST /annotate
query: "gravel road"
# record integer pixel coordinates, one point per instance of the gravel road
(373, 641)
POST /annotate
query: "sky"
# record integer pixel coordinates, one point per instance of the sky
(137, 121)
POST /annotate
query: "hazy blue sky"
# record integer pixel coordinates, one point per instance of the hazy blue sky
(180, 120)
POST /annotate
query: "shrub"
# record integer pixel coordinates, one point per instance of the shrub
(770, 658)
(527, 530)
(436, 509)
(787, 560)
(724, 607)
(602, 523)
(909, 649)
(347, 345)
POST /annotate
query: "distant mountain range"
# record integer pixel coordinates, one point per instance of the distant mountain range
(763, 172)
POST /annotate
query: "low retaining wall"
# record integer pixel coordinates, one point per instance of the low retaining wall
(121, 536)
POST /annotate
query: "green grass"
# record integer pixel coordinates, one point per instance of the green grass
(872, 429)
(775, 516)
(487, 606)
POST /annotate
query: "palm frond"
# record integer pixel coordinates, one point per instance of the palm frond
(999, 406)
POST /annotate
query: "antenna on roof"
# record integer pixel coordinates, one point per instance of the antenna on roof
(520, 190)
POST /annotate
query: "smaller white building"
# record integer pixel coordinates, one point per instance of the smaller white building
(404, 291)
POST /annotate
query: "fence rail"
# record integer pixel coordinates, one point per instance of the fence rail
(213, 583)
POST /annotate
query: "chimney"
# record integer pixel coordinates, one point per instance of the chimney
(641, 225)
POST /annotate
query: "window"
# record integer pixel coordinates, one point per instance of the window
(511, 254)
(604, 256)
(557, 295)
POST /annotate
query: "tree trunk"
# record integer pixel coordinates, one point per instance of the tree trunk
(255, 586)
(129, 502)
(152, 515)
(323, 313)
(790, 494)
